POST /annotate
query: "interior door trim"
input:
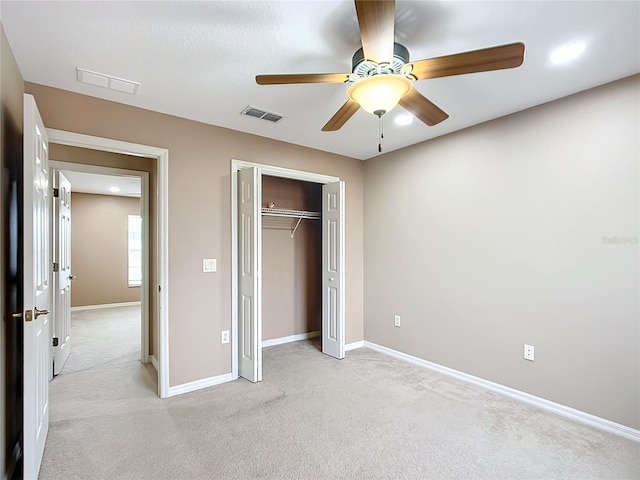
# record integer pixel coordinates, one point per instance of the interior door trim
(161, 155)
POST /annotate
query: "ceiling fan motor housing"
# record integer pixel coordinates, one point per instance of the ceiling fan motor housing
(366, 68)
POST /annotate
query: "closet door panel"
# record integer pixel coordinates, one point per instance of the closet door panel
(333, 304)
(249, 311)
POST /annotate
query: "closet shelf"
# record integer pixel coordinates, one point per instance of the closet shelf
(281, 212)
(299, 214)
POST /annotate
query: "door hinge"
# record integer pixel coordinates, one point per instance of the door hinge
(55, 341)
(56, 267)
(56, 193)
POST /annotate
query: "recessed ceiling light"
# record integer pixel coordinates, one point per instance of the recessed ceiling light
(114, 189)
(566, 53)
(404, 119)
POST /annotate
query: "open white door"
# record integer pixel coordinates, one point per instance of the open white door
(37, 337)
(333, 317)
(249, 288)
(62, 270)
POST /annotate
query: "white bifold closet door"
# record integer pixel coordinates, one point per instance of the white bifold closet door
(249, 284)
(333, 304)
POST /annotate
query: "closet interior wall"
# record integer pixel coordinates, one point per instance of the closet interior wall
(291, 267)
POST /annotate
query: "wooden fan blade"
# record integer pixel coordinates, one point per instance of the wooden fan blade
(376, 20)
(341, 116)
(423, 108)
(487, 59)
(302, 78)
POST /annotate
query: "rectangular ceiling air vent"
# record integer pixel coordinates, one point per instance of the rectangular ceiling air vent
(261, 114)
(107, 81)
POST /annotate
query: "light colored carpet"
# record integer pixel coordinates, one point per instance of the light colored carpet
(313, 417)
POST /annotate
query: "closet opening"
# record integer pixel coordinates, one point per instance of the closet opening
(288, 235)
(291, 261)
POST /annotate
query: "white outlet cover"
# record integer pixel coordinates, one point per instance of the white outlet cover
(224, 337)
(529, 352)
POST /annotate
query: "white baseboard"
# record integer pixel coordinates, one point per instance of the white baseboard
(154, 361)
(354, 345)
(106, 305)
(199, 384)
(556, 408)
(289, 339)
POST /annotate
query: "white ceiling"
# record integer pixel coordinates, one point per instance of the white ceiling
(198, 60)
(100, 184)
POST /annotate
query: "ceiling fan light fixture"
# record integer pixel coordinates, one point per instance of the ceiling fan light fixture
(379, 92)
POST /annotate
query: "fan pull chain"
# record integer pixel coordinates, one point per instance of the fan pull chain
(380, 132)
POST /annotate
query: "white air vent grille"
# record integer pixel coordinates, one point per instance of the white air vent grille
(107, 81)
(261, 114)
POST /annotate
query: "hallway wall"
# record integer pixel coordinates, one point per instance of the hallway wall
(99, 244)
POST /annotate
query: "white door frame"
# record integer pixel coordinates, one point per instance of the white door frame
(262, 170)
(161, 155)
(144, 213)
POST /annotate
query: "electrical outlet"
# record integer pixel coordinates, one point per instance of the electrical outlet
(225, 336)
(396, 320)
(529, 352)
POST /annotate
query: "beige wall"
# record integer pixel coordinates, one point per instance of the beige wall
(291, 267)
(99, 249)
(496, 236)
(85, 156)
(200, 215)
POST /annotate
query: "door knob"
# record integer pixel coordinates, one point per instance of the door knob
(72, 277)
(37, 313)
(17, 315)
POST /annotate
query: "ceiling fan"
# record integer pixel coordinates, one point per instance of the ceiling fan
(382, 75)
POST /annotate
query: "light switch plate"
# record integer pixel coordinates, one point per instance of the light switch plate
(209, 265)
